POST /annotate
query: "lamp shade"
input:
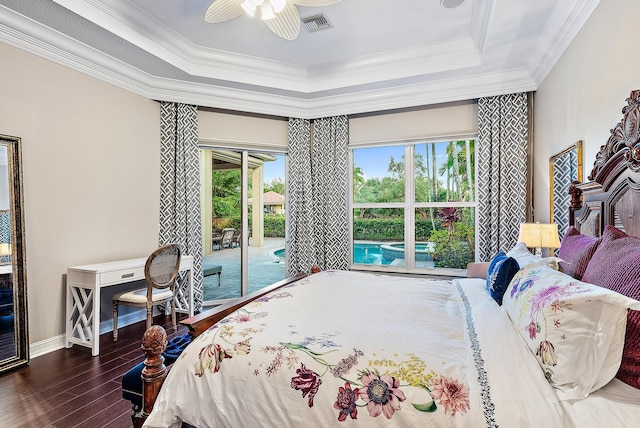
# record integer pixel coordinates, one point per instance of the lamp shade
(5, 249)
(539, 235)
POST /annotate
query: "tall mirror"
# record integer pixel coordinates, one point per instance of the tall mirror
(564, 168)
(14, 341)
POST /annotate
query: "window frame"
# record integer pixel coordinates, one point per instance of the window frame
(409, 206)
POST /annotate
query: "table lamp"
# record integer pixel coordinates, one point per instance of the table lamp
(539, 235)
(5, 249)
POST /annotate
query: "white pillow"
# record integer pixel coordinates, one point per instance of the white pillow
(574, 329)
(524, 257)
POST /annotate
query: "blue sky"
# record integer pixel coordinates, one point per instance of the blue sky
(274, 169)
(373, 161)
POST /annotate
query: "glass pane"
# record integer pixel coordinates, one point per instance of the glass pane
(378, 174)
(265, 252)
(266, 222)
(444, 171)
(221, 267)
(445, 237)
(378, 236)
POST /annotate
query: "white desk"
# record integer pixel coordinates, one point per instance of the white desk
(83, 296)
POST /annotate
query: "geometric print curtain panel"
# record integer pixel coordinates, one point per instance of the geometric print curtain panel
(317, 195)
(180, 191)
(330, 176)
(300, 243)
(565, 170)
(502, 171)
(5, 233)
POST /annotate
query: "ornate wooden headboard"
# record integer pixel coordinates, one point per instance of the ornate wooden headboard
(612, 196)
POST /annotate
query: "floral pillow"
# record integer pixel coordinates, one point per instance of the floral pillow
(574, 329)
(501, 271)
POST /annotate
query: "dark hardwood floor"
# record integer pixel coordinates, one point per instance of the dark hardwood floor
(70, 388)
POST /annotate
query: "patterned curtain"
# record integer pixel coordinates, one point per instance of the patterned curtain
(565, 170)
(300, 244)
(330, 174)
(318, 217)
(502, 171)
(180, 190)
(5, 233)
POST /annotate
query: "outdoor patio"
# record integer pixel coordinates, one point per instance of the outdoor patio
(264, 269)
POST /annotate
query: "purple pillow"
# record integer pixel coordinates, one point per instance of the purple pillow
(575, 251)
(615, 266)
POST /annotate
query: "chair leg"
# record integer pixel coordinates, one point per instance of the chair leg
(115, 321)
(173, 315)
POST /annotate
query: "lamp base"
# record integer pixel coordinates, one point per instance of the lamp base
(538, 251)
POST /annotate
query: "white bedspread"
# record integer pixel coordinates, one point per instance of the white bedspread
(356, 349)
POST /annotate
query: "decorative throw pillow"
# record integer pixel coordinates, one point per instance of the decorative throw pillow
(501, 271)
(524, 257)
(615, 265)
(575, 251)
(574, 329)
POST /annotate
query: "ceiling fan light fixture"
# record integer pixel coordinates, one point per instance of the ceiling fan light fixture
(267, 11)
(278, 5)
(450, 4)
(249, 7)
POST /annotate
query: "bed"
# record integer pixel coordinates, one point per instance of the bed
(526, 346)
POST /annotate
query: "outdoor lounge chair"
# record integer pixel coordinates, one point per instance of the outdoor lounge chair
(227, 237)
(237, 238)
(216, 240)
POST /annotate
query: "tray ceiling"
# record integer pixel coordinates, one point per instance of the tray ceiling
(376, 55)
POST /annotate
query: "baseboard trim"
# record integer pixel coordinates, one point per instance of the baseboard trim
(43, 347)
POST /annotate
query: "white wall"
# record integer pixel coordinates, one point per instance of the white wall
(582, 97)
(91, 175)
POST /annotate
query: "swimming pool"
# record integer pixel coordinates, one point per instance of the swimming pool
(377, 253)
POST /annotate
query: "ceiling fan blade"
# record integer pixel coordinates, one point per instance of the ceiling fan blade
(314, 3)
(223, 10)
(286, 24)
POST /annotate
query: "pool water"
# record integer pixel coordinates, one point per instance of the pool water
(369, 254)
(372, 253)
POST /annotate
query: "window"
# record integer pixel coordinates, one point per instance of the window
(418, 215)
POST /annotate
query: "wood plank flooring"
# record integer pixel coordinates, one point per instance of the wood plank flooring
(70, 388)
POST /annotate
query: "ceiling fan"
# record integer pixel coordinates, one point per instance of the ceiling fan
(280, 16)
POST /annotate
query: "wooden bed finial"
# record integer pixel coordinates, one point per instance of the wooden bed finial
(154, 343)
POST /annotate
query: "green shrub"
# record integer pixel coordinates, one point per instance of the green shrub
(274, 225)
(454, 247)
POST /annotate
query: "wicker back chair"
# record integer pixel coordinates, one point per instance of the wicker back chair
(227, 237)
(160, 271)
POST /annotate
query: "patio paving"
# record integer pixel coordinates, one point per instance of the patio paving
(264, 269)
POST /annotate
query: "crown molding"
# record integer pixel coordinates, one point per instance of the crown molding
(32, 37)
(566, 21)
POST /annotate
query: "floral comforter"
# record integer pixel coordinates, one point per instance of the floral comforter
(356, 349)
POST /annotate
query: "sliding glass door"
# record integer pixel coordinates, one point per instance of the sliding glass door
(242, 211)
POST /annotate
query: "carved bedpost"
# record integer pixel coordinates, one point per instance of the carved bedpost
(154, 343)
(576, 201)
